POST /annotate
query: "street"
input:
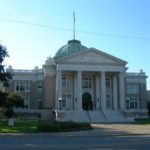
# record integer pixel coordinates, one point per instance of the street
(30, 142)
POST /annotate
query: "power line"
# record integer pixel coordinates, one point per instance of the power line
(34, 24)
(67, 29)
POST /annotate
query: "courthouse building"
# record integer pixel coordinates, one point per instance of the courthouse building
(82, 84)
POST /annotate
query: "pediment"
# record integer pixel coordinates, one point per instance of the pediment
(92, 56)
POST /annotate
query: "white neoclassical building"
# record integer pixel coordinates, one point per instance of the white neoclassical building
(82, 84)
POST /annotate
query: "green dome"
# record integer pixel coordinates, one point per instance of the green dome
(73, 46)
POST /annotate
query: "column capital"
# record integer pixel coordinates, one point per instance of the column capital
(121, 73)
(102, 71)
(58, 71)
(79, 71)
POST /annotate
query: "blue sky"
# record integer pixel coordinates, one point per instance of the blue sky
(118, 27)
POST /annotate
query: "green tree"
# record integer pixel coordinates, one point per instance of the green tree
(3, 97)
(12, 100)
(4, 76)
(8, 101)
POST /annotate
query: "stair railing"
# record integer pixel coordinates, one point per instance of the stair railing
(105, 118)
(88, 114)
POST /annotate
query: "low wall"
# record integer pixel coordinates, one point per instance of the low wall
(47, 114)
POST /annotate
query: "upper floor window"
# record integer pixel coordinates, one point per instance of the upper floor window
(39, 84)
(132, 89)
(86, 82)
(22, 86)
(108, 83)
(66, 82)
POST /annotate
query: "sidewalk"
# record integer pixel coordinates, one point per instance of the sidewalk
(98, 130)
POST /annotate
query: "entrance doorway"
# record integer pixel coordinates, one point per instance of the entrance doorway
(87, 103)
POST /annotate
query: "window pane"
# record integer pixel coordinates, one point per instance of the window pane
(22, 86)
(17, 87)
(66, 82)
(86, 82)
(63, 103)
(131, 104)
(133, 101)
(132, 89)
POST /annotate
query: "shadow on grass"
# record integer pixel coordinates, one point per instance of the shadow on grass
(21, 126)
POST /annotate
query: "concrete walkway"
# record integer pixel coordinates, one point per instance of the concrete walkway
(98, 130)
(121, 129)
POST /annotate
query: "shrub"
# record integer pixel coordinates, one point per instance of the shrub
(62, 126)
(9, 113)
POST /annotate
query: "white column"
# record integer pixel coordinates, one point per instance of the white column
(97, 91)
(75, 91)
(79, 90)
(58, 87)
(121, 91)
(115, 93)
(103, 91)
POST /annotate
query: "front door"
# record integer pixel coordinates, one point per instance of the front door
(87, 103)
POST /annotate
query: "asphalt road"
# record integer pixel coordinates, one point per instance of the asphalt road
(29, 142)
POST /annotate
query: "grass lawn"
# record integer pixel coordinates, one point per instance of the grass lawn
(20, 126)
(27, 126)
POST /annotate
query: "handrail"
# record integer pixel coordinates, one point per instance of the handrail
(104, 115)
(102, 111)
(88, 114)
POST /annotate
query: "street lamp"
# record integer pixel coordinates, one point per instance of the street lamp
(127, 100)
(60, 100)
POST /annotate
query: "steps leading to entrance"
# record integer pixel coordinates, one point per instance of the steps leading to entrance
(77, 116)
(93, 116)
(96, 116)
(116, 116)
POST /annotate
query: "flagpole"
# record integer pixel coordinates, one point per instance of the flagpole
(73, 25)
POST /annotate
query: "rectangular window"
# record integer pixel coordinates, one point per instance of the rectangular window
(26, 101)
(64, 103)
(86, 82)
(39, 101)
(22, 86)
(133, 102)
(66, 82)
(39, 86)
(108, 83)
(132, 89)
(66, 100)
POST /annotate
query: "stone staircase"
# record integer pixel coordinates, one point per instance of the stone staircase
(97, 116)
(107, 116)
(116, 116)
(77, 116)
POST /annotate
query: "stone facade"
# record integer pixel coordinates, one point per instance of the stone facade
(82, 85)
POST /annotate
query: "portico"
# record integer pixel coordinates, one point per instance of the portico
(104, 87)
